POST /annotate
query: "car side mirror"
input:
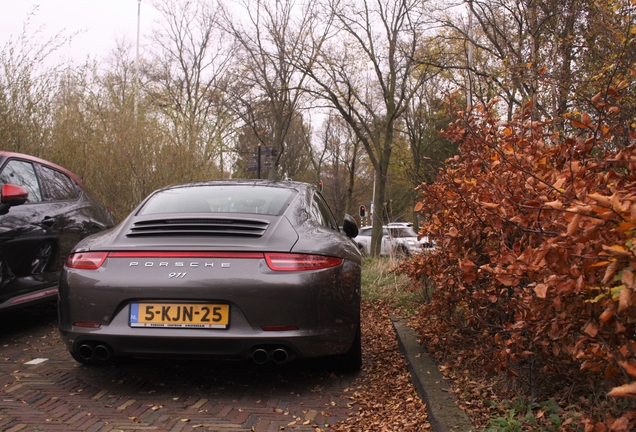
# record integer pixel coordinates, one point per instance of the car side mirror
(349, 226)
(13, 195)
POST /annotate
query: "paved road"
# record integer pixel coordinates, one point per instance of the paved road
(58, 394)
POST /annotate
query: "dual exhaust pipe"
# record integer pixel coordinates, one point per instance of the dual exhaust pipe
(278, 355)
(99, 353)
(102, 353)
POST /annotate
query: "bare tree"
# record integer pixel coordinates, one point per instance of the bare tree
(28, 85)
(295, 162)
(426, 116)
(550, 52)
(317, 154)
(98, 134)
(344, 152)
(363, 64)
(271, 35)
(185, 79)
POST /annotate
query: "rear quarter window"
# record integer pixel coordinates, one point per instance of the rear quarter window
(322, 214)
(57, 185)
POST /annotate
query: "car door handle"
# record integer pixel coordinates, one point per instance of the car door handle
(48, 221)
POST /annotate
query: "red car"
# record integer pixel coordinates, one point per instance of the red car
(45, 211)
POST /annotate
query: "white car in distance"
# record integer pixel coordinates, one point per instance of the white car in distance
(398, 239)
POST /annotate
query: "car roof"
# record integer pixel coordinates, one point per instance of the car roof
(388, 226)
(287, 184)
(7, 155)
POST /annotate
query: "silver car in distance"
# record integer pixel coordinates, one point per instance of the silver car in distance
(230, 269)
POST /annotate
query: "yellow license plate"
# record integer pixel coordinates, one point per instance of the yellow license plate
(184, 315)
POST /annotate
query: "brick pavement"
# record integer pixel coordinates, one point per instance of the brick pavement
(59, 394)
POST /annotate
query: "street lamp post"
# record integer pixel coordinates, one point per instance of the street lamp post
(136, 90)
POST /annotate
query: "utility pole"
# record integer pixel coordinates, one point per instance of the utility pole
(136, 90)
(375, 173)
(258, 163)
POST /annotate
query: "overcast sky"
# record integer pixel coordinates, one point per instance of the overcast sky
(101, 22)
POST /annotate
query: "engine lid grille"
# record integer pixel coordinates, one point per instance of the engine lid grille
(199, 227)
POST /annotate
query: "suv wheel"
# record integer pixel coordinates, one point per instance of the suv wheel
(39, 258)
(401, 252)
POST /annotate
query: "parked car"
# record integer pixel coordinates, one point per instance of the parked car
(44, 211)
(231, 269)
(398, 239)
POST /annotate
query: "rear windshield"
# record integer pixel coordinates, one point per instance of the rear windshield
(220, 199)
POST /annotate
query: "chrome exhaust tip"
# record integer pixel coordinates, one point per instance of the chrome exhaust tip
(103, 353)
(85, 351)
(260, 356)
(280, 355)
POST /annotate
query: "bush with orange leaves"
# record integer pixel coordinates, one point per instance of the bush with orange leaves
(535, 269)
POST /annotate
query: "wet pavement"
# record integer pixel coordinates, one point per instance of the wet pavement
(43, 389)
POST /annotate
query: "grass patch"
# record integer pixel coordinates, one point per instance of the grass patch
(380, 283)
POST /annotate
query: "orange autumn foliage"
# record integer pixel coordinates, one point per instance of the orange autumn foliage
(535, 267)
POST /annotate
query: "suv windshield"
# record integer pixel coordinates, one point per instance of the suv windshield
(402, 232)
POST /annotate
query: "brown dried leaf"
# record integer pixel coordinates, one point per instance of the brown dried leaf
(591, 329)
(617, 250)
(574, 225)
(610, 272)
(557, 205)
(559, 183)
(607, 314)
(629, 368)
(507, 280)
(467, 265)
(541, 290)
(625, 299)
(627, 390)
(579, 124)
(603, 200)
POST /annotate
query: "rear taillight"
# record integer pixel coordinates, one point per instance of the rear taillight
(87, 324)
(275, 261)
(300, 262)
(86, 260)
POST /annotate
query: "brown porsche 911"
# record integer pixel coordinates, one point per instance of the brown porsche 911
(226, 269)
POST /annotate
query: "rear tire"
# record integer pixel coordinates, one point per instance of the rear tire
(351, 361)
(2, 271)
(79, 359)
